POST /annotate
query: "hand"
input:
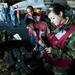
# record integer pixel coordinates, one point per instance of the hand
(41, 55)
(41, 43)
(35, 48)
(48, 50)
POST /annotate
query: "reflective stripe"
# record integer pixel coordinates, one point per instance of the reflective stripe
(41, 32)
(34, 33)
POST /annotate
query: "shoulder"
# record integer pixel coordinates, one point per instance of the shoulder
(42, 23)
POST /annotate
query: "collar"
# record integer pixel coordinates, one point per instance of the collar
(59, 25)
(67, 20)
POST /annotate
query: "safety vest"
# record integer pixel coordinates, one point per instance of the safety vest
(42, 29)
(59, 39)
(18, 11)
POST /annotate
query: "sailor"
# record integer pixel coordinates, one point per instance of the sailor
(38, 28)
(62, 37)
(35, 16)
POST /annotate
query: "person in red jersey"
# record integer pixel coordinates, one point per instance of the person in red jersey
(38, 28)
(18, 12)
(36, 17)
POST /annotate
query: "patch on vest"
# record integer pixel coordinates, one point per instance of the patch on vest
(60, 34)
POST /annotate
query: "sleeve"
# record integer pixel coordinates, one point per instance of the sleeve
(25, 18)
(36, 43)
(48, 34)
(30, 32)
(36, 36)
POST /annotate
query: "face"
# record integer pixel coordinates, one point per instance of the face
(31, 27)
(56, 19)
(28, 10)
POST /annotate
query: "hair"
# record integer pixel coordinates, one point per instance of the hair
(29, 21)
(31, 8)
(45, 40)
(16, 5)
(2, 4)
(56, 8)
